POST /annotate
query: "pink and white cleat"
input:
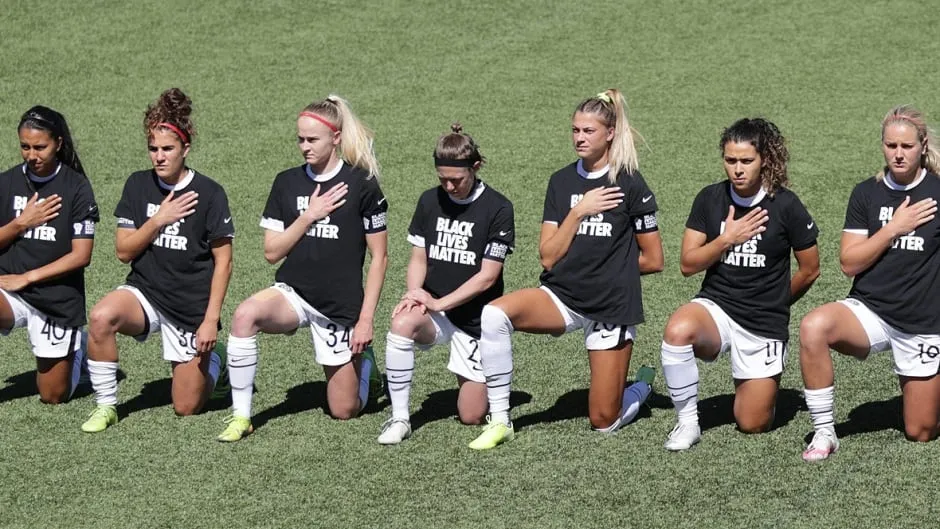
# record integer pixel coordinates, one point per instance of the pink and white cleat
(824, 444)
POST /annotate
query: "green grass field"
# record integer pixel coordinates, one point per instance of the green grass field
(825, 72)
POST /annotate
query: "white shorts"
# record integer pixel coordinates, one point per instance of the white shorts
(49, 339)
(752, 355)
(179, 345)
(915, 355)
(464, 349)
(330, 339)
(597, 336)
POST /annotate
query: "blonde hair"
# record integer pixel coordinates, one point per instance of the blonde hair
(611, 107)
(355, 144)
(909, 115)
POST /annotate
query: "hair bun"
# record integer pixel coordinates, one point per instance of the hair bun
(456, 127)
(176, 103)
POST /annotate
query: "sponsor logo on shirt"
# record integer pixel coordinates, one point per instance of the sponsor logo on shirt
(453, 238)
(910, 242)
(40, 233)
(594, 225)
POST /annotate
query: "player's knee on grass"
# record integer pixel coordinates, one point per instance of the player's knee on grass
(53, 395)
(920, 433)
(186, 407)
(603, 418)
(754, 424)
(344, 413)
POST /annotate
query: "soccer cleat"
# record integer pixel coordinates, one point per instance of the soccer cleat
(494, 434)
(101, 418)
(238, 428)
(645, 374)
(375, 377)
(683, 437)
(394, 431)
(823, 445)
(223, 386)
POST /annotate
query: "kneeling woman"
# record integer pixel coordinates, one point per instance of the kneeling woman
(599, 234)
(48, 214)
(740, 233)
(175, 229)
(891, 246)
(461, 233)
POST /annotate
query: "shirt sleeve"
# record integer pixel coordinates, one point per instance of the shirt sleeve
(124, 211)
(373, 207)
(698, 216)
(416, 235)
(641, 204)
(802, 230)
(551, 212)
(84, 211)
(219, 223)
(273, 216)
(856, 214)
(502, 234)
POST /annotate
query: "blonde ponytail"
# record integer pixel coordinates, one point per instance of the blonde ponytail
(356, 139)
(611, 107)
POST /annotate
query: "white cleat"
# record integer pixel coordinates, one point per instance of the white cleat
(394, 431)
(823, 445)
(683, 437)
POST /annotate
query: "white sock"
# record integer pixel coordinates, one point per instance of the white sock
(104, 381)
(633, 396)
(399, 368)
(78, 363)
(681, 376)
(821, 404)
(215, 367)
(496, 357)
(365, 370)
(242, 364)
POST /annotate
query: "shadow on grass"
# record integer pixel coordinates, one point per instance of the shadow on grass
(158, 393)
(24, 385)
(574, 405)
(872, 417)
(719, 410)
(443, 405)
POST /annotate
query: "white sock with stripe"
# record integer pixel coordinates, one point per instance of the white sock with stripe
(399, 368)
(242, 364)
(496, 357)
(681, 376)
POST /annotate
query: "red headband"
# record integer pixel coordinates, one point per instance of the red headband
(320, 119)
(179, 132)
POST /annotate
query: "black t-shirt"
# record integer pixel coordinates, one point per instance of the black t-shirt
(325, 266)
(456, 237)
(175, 271)
(61, 298)
(751, 281)
(902, 285)
(599, 277)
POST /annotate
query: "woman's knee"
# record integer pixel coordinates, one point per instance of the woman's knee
(815, 328)
(245, 319)
(104, 320)
(405, 324)
(920, 433)
(186, 407)
(680, 331)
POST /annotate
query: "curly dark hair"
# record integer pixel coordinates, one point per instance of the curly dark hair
(173, 107)
(770, 145)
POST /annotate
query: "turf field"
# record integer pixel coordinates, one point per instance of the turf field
(825, 72)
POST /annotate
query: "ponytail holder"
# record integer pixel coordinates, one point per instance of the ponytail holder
(179, 132)
(604, 97)
(320, 119)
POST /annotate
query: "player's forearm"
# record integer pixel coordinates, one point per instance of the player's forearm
(10, 232)
(279, 244)
(417, 272)
(858, 257)
(375, 279)
(471, 288)
(221, 275)
(801, 282)
(69, 262)
(129, 245)
(695, 260)
(555, 247)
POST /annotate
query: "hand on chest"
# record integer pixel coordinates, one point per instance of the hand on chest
(328, 227)
(48, 231)
(914, 241)
(176, 235)
(600, 224)
(758, 250)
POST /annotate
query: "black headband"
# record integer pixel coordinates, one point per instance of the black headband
(446, 162)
